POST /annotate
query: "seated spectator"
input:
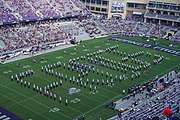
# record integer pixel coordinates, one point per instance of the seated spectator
(155, 118)
(169, 114)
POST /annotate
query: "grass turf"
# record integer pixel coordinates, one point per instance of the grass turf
(162, 42)
(29, 104)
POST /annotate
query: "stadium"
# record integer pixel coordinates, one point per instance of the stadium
(89, 59)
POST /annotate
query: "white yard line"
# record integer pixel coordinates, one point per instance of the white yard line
(21, 101)
(83, 95)
(120, 95)
(98, 106)
(26, 107)
(51, 82)
(34, 101)
(40, 53)
(148, 80)
(79, 94)
(47, 51)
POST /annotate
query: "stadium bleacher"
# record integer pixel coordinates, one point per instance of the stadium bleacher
(150, 14)
(156, 105)
(16, 37)
(13, 10)
(146, 105)
(43, 22)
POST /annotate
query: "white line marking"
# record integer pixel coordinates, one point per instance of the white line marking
(26, 107)
(35, 101)
(119, 95)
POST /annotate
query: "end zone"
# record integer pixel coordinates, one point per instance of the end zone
(7, 115)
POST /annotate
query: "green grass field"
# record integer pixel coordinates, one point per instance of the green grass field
(28, 104)
(163, 43)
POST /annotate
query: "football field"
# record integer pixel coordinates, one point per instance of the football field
(87, 76)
